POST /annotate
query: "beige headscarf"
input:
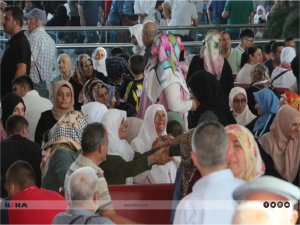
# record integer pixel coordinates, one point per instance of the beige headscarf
(56, 111)
(255, 166)
(284, 151)
(246, 116)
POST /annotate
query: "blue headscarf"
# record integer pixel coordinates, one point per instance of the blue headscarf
(269, 105)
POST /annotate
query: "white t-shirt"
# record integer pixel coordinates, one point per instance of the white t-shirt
(244, 76)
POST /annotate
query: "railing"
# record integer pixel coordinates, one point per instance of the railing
(104, 30)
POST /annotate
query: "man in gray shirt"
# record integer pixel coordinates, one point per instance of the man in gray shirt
(84, 200)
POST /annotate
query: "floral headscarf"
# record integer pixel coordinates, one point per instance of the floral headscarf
(260, 76)
(92, 87)
(213, 60)
(255, 167)
(81, 60)
(68, 130)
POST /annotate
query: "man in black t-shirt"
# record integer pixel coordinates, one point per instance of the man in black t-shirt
(16, 56)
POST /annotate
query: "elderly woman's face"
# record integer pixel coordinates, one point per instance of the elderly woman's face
(160, 121)
(64, 98)
(102, 95)
(19, 109)
(294, 128)
(87, 68)
(123, 130)
(235, 156)
(239, 103)
(100, 54)
(64, 65)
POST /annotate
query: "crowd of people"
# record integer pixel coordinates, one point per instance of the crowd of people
(223, 125)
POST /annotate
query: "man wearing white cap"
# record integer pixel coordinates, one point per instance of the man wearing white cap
(43, 50)
(272, 193)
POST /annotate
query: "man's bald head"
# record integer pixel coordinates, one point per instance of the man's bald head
(149, 33)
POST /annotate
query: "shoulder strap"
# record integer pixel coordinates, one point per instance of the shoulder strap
(75, 219)
(279, 75)
(88, 218)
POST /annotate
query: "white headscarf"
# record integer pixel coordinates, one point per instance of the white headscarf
(147, 135)
(287, 80)
(100, 64)
(112, 120)
(246, 116)
(136, 31)
(263, 16)
(287, 55)
(94, 111)
(143, 143)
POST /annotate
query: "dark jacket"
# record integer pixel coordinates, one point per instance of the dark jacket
(19, 148)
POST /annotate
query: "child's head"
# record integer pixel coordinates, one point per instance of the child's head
(137, 64)
(174, 128)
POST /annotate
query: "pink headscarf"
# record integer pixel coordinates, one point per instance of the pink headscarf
(213, 61)
(284, 151)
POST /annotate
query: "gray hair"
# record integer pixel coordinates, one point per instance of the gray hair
(66, 56)
(92, 136)
(210, 143)
(84, 183)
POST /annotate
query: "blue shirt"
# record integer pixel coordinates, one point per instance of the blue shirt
(211, 200)
(216, 8)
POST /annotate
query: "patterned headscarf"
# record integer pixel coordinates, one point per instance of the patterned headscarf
(68, 130)
(92, 87)
(260, 76)
(213, 60)
(255, 167)
(69, 127)
(81, 60)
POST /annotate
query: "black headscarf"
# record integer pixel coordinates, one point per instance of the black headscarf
(208, 91)
(8, 105)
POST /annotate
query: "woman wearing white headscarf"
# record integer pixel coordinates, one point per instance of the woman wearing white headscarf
(99, 56)
(153, 128)
(94, 111)
(238, 104)
(137, 39)
(122, 163)
(260, 15)
(282, 75)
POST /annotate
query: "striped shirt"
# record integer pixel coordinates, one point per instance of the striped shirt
(103, 193)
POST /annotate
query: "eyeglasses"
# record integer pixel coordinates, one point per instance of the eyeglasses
(239, 101)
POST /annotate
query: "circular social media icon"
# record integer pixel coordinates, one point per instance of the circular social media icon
(266, 204)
